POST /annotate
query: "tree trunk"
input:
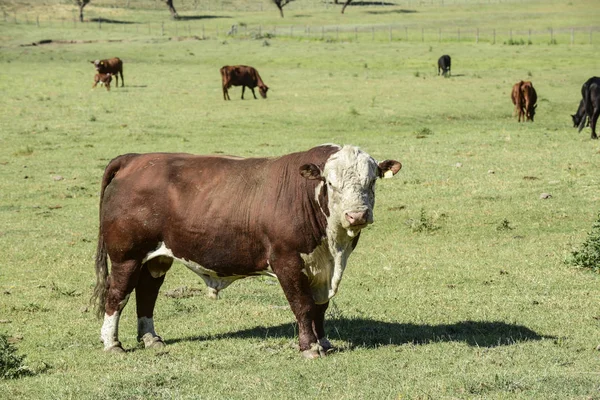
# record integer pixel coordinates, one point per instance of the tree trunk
(81, 5)
(172, 9)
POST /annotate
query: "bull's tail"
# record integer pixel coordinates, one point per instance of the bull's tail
(99, 295)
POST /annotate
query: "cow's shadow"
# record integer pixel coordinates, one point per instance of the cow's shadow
(372, 333)
(367, 3)
(197, 17)
(400, 11)
(111, 21)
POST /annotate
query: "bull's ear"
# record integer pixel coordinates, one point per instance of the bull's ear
(310, 171)
(389, 168)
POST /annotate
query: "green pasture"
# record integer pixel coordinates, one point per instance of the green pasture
(458, 290)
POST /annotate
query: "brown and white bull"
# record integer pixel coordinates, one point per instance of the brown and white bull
(297, 217)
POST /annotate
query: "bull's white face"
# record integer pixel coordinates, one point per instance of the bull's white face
(350, 176)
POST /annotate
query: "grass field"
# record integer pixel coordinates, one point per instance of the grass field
(458, 290)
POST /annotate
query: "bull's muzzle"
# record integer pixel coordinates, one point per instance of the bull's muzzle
(357, 218)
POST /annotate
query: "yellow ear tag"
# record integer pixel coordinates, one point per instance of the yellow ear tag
(388, 174)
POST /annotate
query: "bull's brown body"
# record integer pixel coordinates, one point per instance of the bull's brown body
(227, 218)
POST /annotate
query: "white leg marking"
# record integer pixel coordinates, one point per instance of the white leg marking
(109, 333)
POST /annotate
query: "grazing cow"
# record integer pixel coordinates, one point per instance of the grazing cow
(517, 99)
(113, 66)
(589, 107)
(103, 79)
(242, 75)
(444, 63)
(579, 115)
(296, 217)
(529, 97)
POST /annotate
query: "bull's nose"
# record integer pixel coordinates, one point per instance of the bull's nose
(357, 217)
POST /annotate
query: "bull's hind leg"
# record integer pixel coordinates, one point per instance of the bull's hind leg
(151, 279)
(123, 278)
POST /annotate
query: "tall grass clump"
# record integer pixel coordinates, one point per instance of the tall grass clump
(11, 364)
(588, 255)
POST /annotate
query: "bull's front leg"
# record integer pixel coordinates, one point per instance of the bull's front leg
(295, 285)
(319, 326)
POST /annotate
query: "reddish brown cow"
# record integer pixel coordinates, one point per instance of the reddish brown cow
(242, 75)
(517, 99)
(103, 79)
(524, 97)
(297, 217)
(529, 99)
(113, 66)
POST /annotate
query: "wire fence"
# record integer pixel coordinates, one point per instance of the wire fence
(391, 32)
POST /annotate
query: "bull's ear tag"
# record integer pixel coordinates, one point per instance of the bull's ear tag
(388, 174)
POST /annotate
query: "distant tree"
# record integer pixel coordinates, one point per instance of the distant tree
(280, 4)
(172, 9)
(81, 4)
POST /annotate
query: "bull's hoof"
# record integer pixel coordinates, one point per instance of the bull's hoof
(152, 342)
(315, 351)
(326, 345)
(115, 349)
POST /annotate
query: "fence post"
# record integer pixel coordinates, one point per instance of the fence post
(494, 42)
(477, 36)
(37, 21)
(572, 36)
(372, 33)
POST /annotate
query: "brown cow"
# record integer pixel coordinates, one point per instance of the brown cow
(529, 99)
(113, 66)
(517, 99)
(297, 217)
(242, 75)
(524, 97)
(103, 79)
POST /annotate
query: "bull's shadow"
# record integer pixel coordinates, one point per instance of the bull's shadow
(372, 333)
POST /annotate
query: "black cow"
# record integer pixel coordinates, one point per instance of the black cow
(444, 63)
(590, 102)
